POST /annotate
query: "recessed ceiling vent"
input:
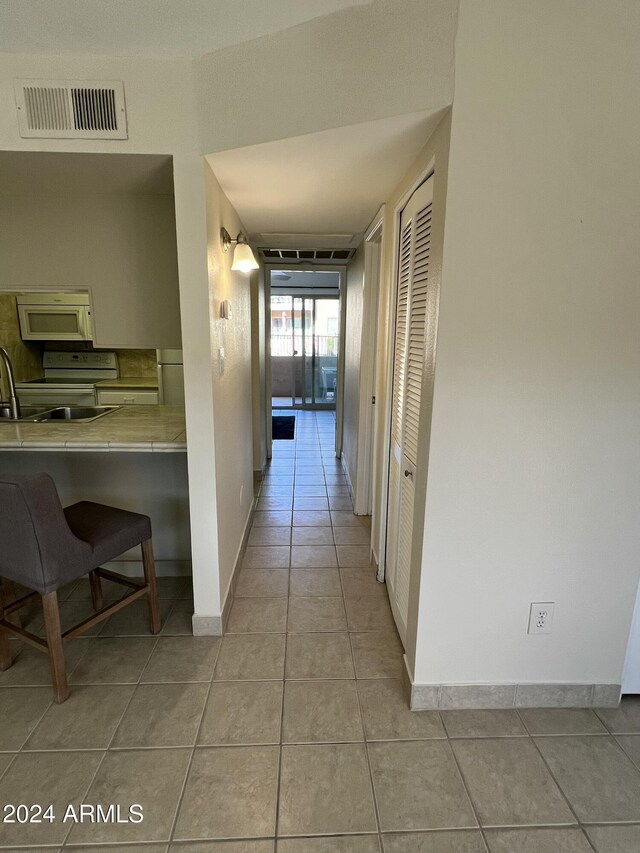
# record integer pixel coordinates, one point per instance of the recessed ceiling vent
(71, 109)
(307, 256)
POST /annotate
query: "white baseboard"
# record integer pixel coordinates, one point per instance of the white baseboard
(206, 626)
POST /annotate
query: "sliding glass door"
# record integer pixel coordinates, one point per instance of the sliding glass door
(305, 332)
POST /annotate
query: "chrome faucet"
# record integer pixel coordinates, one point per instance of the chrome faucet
(14, 405)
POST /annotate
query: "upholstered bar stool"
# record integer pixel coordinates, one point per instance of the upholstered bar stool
(43, 547)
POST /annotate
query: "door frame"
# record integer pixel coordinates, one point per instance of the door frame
(366, 460)
(342, 270)
(386, 371)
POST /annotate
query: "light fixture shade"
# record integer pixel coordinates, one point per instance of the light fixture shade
(243, 258)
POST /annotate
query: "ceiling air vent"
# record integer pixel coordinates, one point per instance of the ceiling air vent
(71, 109)
(323, 256)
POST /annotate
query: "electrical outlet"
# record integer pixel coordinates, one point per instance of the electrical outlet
(541, 617)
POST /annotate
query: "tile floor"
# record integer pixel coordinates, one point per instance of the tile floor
(291, 732)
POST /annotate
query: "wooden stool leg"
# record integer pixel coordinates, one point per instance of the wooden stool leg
(96, 591)
(9, 596)
(5, 648)
(150, 577)
(56, 649)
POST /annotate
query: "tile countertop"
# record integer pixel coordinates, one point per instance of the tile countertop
(143, 429)
(142, 382)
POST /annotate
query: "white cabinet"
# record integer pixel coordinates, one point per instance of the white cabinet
(131, 397)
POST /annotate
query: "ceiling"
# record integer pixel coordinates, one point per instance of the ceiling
(44, 173)
(188, 28)
(332, 182)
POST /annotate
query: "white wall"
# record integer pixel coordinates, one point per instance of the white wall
(232, 397)
(367, 62)
(121, 248)
(258, 371)
(533, 475)
(352, 350)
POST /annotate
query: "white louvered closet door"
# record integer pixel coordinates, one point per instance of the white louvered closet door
(408, 368)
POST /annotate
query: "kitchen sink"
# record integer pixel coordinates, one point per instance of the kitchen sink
(79, 414)
(28, 412)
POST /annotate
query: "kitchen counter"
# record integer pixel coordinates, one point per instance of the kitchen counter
(142, 429)
(123, 382)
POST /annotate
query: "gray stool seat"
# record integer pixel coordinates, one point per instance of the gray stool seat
(44, 546)
(108, 530)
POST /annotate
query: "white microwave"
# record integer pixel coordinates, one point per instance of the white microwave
(54, 317)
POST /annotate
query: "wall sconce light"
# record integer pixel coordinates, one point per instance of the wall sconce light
(243, 257)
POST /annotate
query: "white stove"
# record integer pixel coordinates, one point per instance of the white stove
(69, 379)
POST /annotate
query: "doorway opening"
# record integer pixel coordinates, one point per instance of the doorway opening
(305, 320)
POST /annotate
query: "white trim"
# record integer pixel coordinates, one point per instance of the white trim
(206, 626)
(439, 697)
(363, 496)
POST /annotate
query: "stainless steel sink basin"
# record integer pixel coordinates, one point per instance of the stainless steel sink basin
(28, 412)
(79, 414)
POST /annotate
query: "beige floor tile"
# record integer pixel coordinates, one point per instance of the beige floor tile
(325, 789)
(71, 613)
(113, 660)
(270, 536)
(82, 591)
(242, 712)
(631, 745)
(262, 583)
(483, 723)
(274, 503)
(230, 793)
(319, 656)
(31, 666)
(312, 536)
(316, 614)
(311, 518)
(224, 847)
(310, 556)
(266, 557)
(354, 556)
(272, 518)
(623, 720)
(599, 780)
(303, 491)
(87, 720)
(387, 715)
(321, 712)
(133, 620)
(182, 659)
(369, 613)
(615, 839)
(341, 518)
(335, 844)
(561, 721)
(312, 582)
(257, 616)
(377, 654)
(151, 777)
(305, 503)
(277, 490)
(461, 841)
(418, 786)
(309, 479)
(538, 841)
(56, 778)
(251, 657)
(21, 709)
(350, 535)
(162, 715)
(509, 783)
(338, 491)
(179, 622)
(342, 503)
(362, 582)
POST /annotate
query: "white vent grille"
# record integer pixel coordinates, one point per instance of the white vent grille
(71, 109)
(308, 256)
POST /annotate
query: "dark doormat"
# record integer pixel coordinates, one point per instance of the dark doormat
(284, 426)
